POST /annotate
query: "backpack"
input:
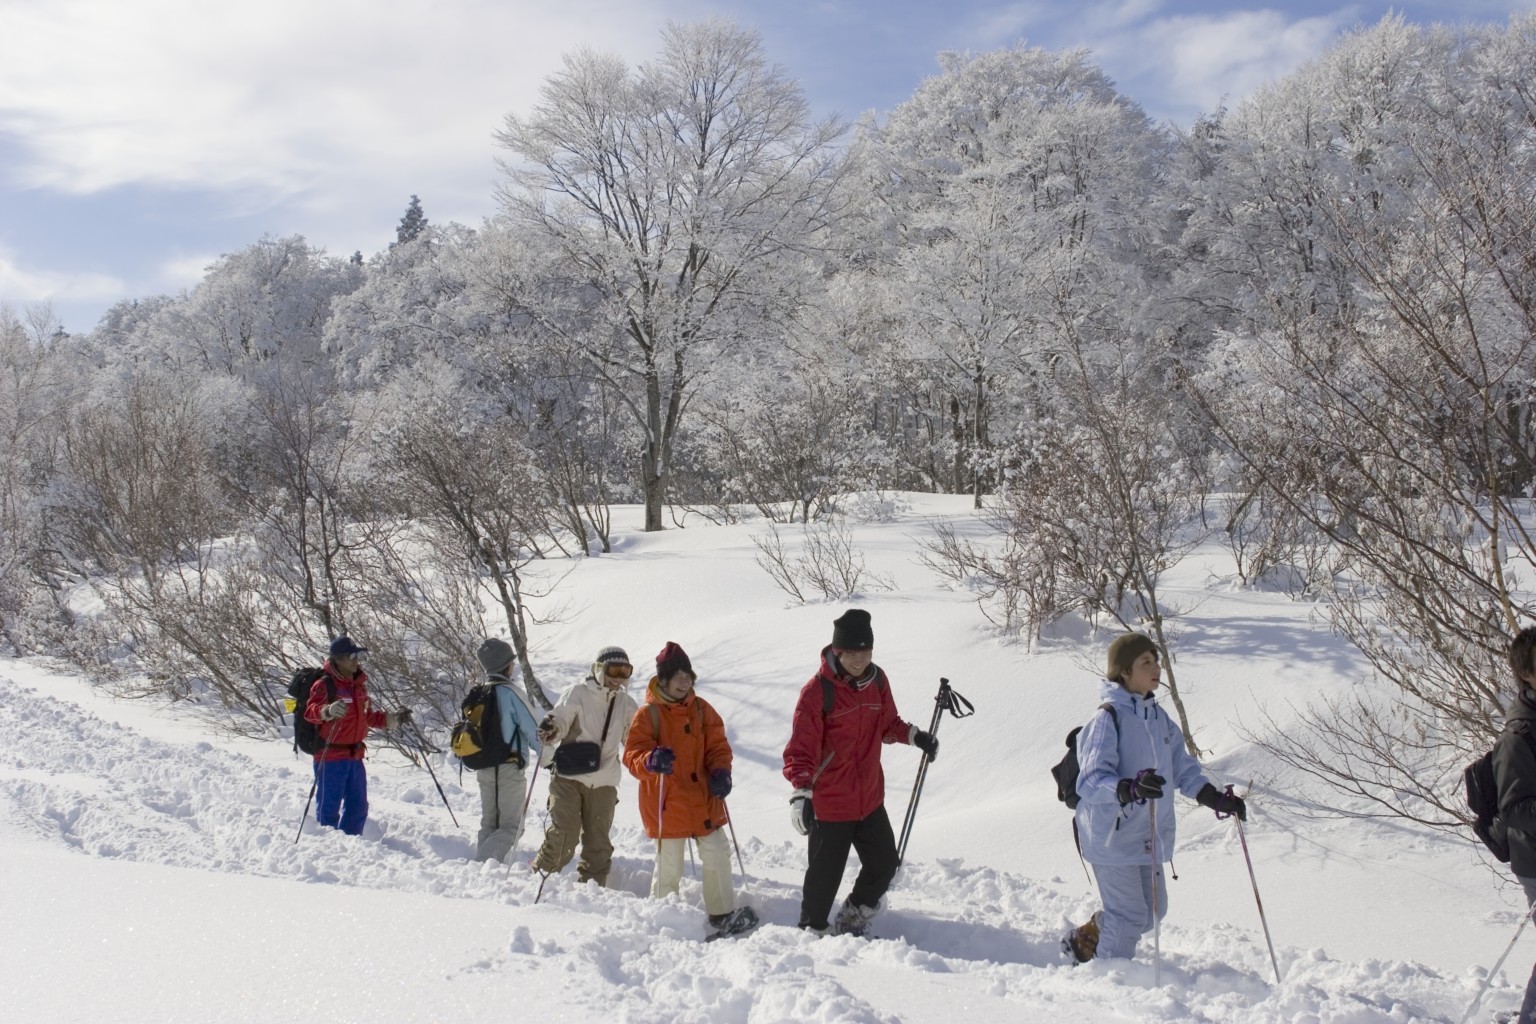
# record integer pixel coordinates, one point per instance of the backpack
(477, 740)
(1483, 802)
(1066, 771)
(306, 734)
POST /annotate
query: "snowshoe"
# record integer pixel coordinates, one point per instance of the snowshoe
(728, 926)
(1082, 942)
(854, 920)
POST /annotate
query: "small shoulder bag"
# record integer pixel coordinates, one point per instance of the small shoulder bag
(582, 757)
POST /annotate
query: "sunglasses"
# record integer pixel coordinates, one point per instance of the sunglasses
(619, 671)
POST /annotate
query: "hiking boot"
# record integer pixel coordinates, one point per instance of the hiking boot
(736, 922)
(1083, 941)
(854, 920)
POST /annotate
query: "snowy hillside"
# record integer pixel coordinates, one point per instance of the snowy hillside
(151, 872)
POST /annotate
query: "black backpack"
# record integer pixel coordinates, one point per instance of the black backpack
(1483, 801)
(477, 740)
(1066, 770)
(306, 734)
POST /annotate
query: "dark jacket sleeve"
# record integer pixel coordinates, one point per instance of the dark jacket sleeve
(1514, 770)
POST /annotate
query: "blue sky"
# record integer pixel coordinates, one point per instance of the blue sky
(140, 139)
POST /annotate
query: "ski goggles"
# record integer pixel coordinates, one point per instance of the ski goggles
(616, 670)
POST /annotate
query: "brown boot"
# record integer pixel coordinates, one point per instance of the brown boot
(1083, 941)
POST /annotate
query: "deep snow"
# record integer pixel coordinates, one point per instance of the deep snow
(151, 873)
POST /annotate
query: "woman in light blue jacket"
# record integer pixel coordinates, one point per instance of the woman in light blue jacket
(1127, 754)
(503, 788)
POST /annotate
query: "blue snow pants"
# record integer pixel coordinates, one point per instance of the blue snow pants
(1126, 891)
(341, 795)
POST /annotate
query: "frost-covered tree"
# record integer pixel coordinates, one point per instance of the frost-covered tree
(675, 197)
(1013, 188)
(1380, 379)
(264, 306)
(39, 382)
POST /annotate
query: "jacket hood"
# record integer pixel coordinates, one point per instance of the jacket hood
(602, 688)
(831, 670)
(1111, 691)
(653, 695)
(1523, 707)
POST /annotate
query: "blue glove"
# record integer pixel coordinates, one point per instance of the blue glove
(659, 761)
(720, 782)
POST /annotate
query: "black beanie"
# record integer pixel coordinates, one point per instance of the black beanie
(852, 631)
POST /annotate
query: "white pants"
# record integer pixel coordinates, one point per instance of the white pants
(714, 857)
(502, 790)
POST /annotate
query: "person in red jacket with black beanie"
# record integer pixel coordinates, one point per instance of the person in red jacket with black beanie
(844, 714)
(340, 708)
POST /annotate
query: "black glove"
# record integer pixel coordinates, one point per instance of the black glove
(1224, 804)
(927, 742)
(659, 761)
(720, 783)
(1147, 785)
(403, 716)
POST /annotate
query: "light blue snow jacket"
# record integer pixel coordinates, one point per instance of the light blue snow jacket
(517, 721)
(1147, 738)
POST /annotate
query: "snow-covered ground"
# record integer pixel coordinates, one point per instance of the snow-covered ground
(151, 874)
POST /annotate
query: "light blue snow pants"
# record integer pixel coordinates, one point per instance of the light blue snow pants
(1126, 891)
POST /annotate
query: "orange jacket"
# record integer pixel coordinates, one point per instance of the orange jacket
(696, 734)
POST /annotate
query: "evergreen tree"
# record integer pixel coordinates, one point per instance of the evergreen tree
(412, 224)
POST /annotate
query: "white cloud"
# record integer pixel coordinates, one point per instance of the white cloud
(283, 98)
(1233, 55)
(184, 271)
(23, 286)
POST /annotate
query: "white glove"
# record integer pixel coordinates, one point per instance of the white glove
(333, 711)
(801, 814)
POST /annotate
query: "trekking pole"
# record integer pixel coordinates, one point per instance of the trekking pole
(1488, 979)
(1243, 838)
(537, 764)
(731, 826)
(426, 759)
(319, 766)
(314, 784)
(946, 700)
(1157, 921)
(661, 789)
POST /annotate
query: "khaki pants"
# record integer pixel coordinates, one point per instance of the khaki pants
(502, 790)
(584, 813)
(714, 858)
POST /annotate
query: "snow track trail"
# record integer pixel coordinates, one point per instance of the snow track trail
(955, 938)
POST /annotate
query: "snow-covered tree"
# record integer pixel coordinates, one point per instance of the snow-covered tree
(674, 196)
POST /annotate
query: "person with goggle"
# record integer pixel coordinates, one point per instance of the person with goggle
(582, 738)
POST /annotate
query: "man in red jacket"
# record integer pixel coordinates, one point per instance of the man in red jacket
(340, 708)
(844, 714)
